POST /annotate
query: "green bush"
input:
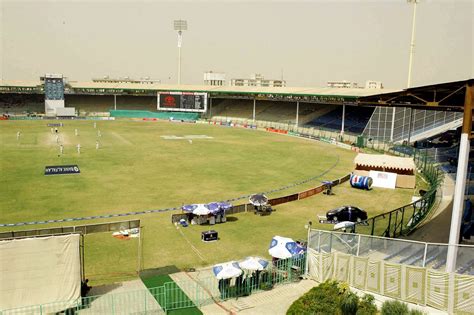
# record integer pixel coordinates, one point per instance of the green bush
(323, 299)
(333, 298)
(367, 305)
(349, 303)
(394, 308)
(416, 312)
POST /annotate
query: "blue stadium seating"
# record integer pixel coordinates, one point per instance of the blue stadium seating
(356, 118)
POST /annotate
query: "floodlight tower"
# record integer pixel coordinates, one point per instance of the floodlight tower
(410, 62)
(180, 26)
(412, 43)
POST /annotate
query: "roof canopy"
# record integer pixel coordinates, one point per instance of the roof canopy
(384, 161)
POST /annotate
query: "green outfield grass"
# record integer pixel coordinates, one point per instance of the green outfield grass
(136, 169)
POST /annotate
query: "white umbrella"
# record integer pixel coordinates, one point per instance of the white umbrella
(253, 263)
(201, 209)
(283, 247)
(227, 270)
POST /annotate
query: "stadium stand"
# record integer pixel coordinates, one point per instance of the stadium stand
(86, 104)
(103, 103)
(356, 118)
(21, 104)
(283, 112)
(233, 108)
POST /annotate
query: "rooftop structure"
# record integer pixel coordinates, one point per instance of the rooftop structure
(257, 79)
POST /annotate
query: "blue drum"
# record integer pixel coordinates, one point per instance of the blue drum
(361, 182)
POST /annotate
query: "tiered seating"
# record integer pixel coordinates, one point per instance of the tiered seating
(413, 257)
(21, 104)
(436, 254)
(233, 108)
(279, 112)
(356, 118)
(398, 252)
(466, 267)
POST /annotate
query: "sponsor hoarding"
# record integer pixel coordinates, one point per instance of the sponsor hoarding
(61, 170)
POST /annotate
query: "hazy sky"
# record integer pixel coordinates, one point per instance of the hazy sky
(309, 42)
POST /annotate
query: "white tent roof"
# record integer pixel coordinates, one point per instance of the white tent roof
(384, 161)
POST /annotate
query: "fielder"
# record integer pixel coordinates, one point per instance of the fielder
(78, 148)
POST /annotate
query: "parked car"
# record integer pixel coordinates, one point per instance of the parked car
(346, 213)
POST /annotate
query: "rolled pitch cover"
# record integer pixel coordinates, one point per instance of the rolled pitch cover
(361, 182)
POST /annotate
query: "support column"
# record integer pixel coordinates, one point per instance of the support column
(343, 118)
(460, 186)
(253, 116)
(210, 108)
(393, 125)
(115, 101)
(412, 111)
(297, 113)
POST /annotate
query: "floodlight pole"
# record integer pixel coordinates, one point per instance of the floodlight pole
(410, 62)
(412, 43)
(180, 26)
(179, 56)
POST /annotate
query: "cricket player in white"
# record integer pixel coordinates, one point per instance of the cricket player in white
(78, 148)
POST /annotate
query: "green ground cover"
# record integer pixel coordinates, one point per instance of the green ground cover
(159, 281)
(136, 169)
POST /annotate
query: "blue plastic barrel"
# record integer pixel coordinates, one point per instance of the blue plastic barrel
(361, 182)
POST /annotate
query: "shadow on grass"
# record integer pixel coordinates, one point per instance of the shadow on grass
(231, 219)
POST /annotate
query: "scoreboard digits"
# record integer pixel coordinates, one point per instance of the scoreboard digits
(182, 101)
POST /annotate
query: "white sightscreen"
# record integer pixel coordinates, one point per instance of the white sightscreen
(39, 270)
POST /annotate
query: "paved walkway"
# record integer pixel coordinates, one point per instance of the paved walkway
(435, 228)
(130, 297)
(273, 302)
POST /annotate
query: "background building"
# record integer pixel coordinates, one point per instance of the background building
(214, 78)
(257, 79)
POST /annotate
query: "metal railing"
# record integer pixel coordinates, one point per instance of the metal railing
(407, 270)
(195, 292)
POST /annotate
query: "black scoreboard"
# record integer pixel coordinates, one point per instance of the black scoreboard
(182, 101)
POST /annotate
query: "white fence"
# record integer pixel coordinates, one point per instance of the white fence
(406, 270)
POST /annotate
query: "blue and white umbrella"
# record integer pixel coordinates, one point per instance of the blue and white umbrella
(227, 270)
(189, 208)
(215, 207)
(283, 247)
(253, 263)
(225, 205)
(197, 209)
